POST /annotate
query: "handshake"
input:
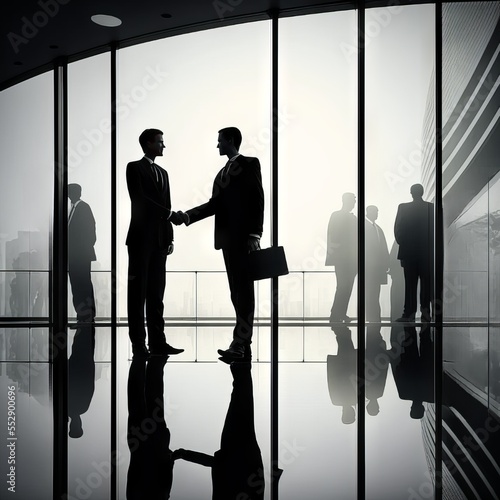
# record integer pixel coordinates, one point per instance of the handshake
(179, 218)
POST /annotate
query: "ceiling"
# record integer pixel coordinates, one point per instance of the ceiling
(35, 33)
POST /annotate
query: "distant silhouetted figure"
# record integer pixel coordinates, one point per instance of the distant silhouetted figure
(377, 362)
(81, 377)
(377, 263)
(413, 367)
(150, 472)
(81, 241)
(342, 252)
(342, 374)
(414, 233)
(150, 239)
(237, 203)
(237, 467)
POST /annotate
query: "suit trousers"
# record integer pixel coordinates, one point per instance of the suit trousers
(242, 291)
(146, 287)
(372, 297)
(82, 289)
(415, 270)
(345, 281)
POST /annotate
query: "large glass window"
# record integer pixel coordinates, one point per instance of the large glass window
(317, 165)
(26, 197)
(399, 359)
(89, 173)
(190, 87)
(89, 270)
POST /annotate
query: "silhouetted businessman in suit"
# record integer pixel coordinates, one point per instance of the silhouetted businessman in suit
(237, 203)
(81, 377)
(237, 467)
(377, 263)
(81, 240)
(342, 374)
(150, 239)
(342, 252)
(414, 233)
(150, 472)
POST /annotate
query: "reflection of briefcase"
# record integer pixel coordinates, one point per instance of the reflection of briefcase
(267, 263)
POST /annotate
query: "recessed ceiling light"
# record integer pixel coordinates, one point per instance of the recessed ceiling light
(105, 20)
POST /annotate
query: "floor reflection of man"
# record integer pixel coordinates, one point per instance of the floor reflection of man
(150, 472)
(342, 374)
(237, 467)
(413, 367)
(81, 378)
(376, 368)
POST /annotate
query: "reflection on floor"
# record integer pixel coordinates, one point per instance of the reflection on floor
(194, 418)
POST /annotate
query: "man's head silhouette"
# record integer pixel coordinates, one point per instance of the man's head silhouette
(417, 191)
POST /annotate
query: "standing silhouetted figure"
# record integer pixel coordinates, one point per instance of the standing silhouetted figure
(342, 252)
(81, 253)
(150, 239)
(237, 203)
(377, 263)
(414, 233)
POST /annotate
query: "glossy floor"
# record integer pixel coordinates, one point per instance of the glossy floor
(185, 404)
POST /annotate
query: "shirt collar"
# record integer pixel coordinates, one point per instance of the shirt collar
(149, 160)
(234, 157)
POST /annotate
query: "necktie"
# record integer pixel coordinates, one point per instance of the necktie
(71, 212)
(225, 170)
(158, 175)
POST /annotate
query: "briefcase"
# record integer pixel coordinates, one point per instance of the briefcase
(267, 263)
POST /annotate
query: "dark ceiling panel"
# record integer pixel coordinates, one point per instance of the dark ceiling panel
(34, 33)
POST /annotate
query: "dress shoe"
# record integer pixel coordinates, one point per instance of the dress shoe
(164, 350)
(236, 352)
(140, 351)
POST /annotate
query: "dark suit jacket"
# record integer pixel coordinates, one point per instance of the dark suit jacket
(342, 240)
(81, 234)
(377, 253)
(414, 231)
(237, 202)
(151, 206)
